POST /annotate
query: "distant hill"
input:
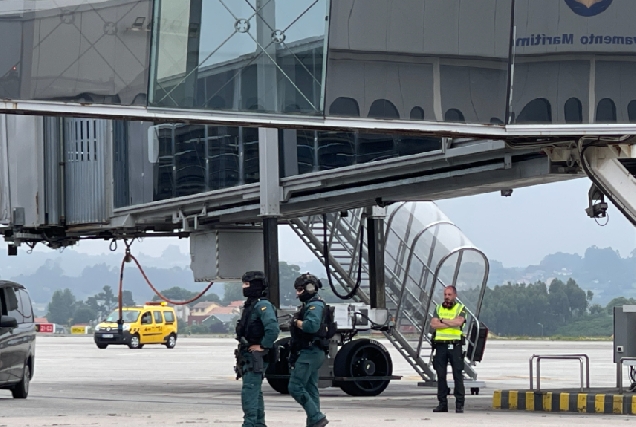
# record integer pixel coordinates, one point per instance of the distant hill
(600, 270)
(85, 275)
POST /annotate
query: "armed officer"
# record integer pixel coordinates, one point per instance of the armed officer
(256, 332)
(307, 349)
(448, 321)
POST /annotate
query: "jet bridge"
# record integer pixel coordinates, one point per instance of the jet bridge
(129, 118)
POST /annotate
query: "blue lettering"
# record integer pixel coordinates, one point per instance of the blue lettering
(543, 40)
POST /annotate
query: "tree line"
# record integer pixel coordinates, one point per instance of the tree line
(537, 309)
(515, 309)
(65, 309)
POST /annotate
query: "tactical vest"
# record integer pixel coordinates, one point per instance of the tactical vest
(249, 327)
(449, 334)
(304, 339)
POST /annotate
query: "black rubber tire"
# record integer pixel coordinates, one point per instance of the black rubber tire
(281, 367)
(21, 389)
(101, 346)
(135, 342)
(358, 358)
(171, 342)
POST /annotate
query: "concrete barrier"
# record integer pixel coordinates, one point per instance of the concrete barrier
(548, 401)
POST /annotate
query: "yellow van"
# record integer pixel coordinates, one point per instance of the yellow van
(152, 323)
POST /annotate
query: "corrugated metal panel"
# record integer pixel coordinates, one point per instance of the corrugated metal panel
(121, 194)
(86, 142)
(52, 172)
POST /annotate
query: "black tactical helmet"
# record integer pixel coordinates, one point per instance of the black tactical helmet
(251, 276)
(257, 284)
(306, 279)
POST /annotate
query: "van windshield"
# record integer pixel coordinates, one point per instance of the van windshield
(129, 316)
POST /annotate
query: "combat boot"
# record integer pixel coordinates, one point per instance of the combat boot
(459, 408)
(321, 423)
(441, 408)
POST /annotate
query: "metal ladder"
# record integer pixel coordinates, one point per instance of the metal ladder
(343, 240)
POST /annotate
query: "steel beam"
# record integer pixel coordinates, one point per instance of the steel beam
(270, 195)
(269, 172)
(270, 242)
(375, 248)
(233, 118)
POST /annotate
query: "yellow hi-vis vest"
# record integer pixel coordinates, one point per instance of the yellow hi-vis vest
(449, 334)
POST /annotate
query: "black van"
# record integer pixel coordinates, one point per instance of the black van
(17, 339)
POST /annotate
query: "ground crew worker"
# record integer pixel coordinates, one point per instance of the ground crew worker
(256, 332)
(448, 321)
(307, 353)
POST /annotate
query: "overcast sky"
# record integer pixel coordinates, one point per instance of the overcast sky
(518, 230)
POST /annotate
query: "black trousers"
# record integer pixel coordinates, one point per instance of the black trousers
(445, 354)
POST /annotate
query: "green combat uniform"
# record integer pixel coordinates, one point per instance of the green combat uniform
(258, 326)
(303, 383)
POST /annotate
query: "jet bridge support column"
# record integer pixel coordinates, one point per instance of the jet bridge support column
(270, 207)
(375, 247)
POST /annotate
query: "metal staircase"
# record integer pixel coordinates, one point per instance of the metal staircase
(412, 312)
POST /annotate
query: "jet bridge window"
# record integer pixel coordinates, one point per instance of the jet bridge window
(454, 115)
(383, 109)
(536, 111)
(631, 111)
(343, 106)
(606, 111)
(573, 110)
(417, 113)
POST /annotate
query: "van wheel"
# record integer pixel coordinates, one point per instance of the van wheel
(171, 341)
(102, 346)
(21, 390)
(134, 342)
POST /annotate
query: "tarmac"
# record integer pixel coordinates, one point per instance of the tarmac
(76, 384)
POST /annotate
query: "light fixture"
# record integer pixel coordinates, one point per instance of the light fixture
(138, 25)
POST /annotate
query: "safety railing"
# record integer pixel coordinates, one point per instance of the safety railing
(579, 357)
(619, 372)
(420, 312)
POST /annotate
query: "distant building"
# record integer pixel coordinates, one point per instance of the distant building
(223, 314)
(182, 312)
(203, 308)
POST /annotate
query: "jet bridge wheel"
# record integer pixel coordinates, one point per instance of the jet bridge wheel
(364, 359)
(281, 367)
